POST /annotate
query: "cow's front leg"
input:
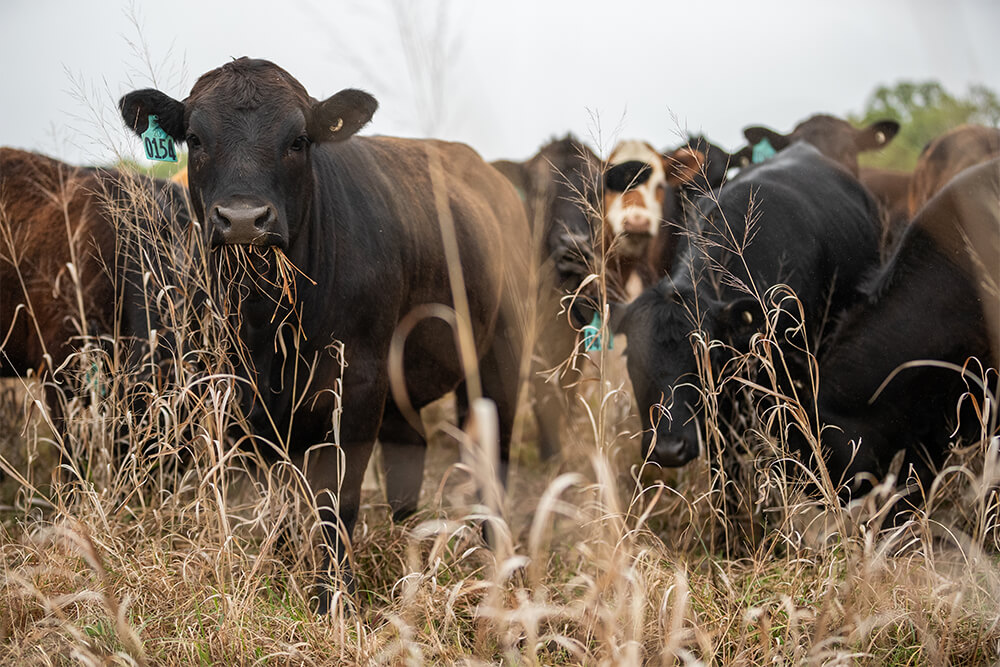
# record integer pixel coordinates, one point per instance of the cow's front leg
(335, 475)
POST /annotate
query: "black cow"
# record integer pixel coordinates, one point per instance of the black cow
(559, 185)
(936, 300)
(363, 218)
(833, 137)
(679, 209)
(812, 227)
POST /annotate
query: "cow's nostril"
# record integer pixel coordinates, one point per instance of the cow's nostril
(242, 218)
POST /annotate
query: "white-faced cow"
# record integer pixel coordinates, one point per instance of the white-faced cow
(937, 299)
(798, 219)
(636, 184)
(364, 219)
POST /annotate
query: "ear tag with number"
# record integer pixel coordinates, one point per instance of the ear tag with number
(592, 336)
(762, 151)
(158, 144)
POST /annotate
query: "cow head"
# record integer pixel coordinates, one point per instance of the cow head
(662, 362)
(833, 137)
(250, 127)
(635, 189)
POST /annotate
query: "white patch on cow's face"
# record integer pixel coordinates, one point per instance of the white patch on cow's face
(639, 209)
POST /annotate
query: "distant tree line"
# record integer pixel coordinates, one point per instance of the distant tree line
(924, 110)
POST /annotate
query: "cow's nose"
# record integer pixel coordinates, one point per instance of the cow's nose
(637, 224)
(672, 452)
(243, 223)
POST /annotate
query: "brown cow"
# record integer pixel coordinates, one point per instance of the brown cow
(943, 158)
(65, 270)
(891, 189)
(835, 138)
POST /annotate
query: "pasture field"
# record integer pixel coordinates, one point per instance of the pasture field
(197, 558)
(145, 532)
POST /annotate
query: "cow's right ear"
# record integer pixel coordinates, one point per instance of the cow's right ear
(341, 115)
(757, 133)
(136, 108)
(742, 157)
(876, 135)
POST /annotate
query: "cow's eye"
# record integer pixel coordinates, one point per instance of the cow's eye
(300, 143)
(192, 141)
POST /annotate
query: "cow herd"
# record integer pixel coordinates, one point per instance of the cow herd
(425, 270)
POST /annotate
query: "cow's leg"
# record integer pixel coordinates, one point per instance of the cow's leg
(335, 474)
(403, 452)
(500, 370)
(549, 408)
(338, 499)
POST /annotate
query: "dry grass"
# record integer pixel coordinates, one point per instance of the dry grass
(193, 548)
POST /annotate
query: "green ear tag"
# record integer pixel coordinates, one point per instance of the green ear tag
(762, 151)
(592, 336)
(158, 144)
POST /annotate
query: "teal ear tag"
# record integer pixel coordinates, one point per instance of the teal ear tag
(592, 336)
(762, 151)
(158, 144)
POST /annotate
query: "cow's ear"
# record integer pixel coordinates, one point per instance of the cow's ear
(139, 105)
(741, 316)
(683, 165)
(341, 115)
(876, 135)
(742, 157)
(757, 133)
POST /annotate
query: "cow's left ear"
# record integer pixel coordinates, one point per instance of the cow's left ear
(757, 133)
(741, 316)
(136, 108)
(340, 116)
(742, 157)
(876, 135)
(683, 165)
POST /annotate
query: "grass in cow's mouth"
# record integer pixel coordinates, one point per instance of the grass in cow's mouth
(260, 270)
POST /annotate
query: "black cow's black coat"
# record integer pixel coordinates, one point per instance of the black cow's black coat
(812, 227)
(935, 300)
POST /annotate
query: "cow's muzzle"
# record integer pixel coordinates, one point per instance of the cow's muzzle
(670, 451)
(244, 222)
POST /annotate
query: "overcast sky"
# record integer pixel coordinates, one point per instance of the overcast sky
(501, 76)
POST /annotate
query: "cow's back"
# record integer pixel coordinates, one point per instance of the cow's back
(50, 217)
(389, 201)
(806, 222)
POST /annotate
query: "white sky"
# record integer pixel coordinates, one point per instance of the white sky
(511, 74)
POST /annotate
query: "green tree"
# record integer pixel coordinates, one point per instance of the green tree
(924, 110)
